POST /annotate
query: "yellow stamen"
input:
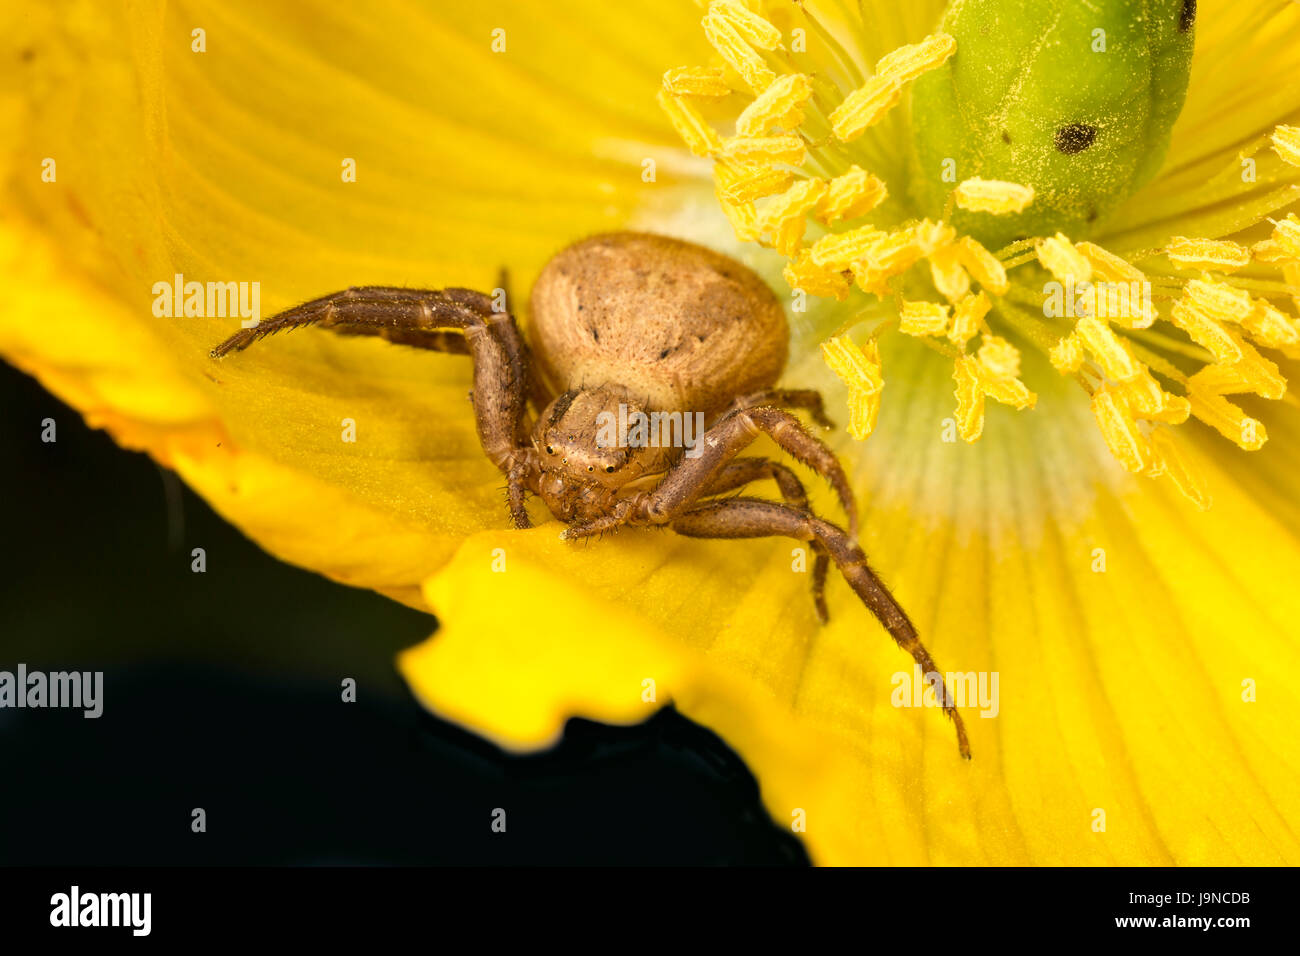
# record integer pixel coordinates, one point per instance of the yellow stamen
(970, 399)
(747, 183)
(947, 273)
(763, 149)
(838, 250)
(1067, 355)
(1227, 419)
(1147, 400)
(777, 106)
(743, 218)
(1287, 236)
(851, 195)
(1291, 274)
(1219, 300)
(724, 37)
(1253, 373)
(1059, 257)
(1270, 326)
(1191, 484)
(1008, 391)
(696, 81)
(888, 256)
(1130, 403)
(870, 279)
(1109, 267)
(1120, 430)
(1267, 250)
(1114, 355)
(1221, 255)
(992, 195)
(1124, 303)
(863, 410)
(983, 266)
(992, 372)
(968, 319)
(908, 62)
(813, 279)
(859, 369)
(864, 107)
(932, 236)
(786, 214)
(999, 356)
(923, 318)
(698, 135)
(754, 29)
(1204, 331)
(1286, 143)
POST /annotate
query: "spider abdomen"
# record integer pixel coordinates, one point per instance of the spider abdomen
(678, 325)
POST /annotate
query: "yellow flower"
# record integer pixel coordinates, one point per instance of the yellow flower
(1145, 650)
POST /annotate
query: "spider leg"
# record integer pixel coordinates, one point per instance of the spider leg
(808, 399)
(343, 313)
(740, 472)
(685, 482)
(454, 320)
(754, 518)
(537, 391)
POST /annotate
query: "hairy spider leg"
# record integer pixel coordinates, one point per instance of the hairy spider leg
(685, 481)
(461, 321)
(808, 399)
(743, 471)
(755, 518)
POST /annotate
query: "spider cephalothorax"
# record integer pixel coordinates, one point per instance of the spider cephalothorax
(635, 339)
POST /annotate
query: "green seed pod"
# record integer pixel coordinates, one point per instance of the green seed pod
(1075, 99)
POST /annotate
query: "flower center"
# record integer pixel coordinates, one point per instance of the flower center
(1152, 346)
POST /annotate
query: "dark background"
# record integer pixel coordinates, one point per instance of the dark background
(222, 691)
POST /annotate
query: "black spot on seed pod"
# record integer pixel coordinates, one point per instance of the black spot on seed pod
(1075, 138)
(1187, 17)
(1006, 137)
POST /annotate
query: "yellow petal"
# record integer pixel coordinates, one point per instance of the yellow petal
(1042, 574)
(1122, 688)
(235, 187)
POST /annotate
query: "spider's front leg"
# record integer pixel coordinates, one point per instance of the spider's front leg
(809, 399)
(460, 321)
(743, 471)
(689, 479)
(754, 518)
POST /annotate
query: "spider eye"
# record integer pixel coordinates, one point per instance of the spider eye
(591, 467)
(609, 469)
(550, 450)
